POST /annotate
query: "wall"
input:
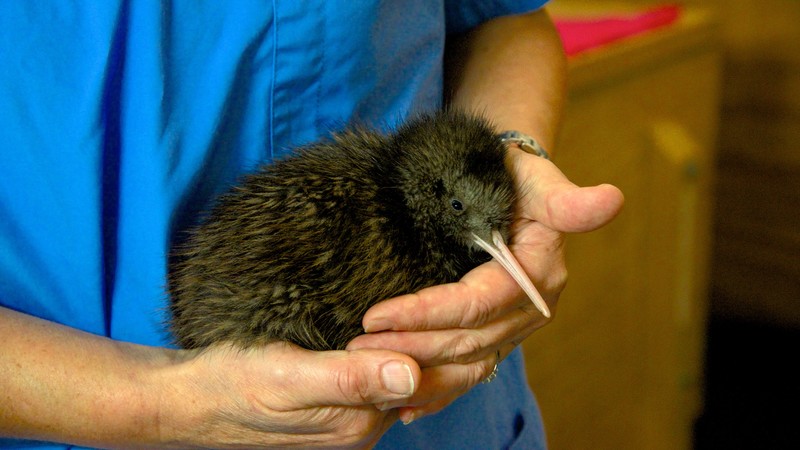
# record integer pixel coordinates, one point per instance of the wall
(756, 257)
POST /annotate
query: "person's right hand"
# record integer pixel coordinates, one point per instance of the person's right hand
(282, 395)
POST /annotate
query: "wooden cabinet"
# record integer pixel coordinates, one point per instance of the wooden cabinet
(621, 366)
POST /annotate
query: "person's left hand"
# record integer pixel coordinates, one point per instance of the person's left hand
(455, 331)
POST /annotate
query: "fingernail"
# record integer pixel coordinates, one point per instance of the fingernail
(407, 417)
(385, 406)
(379, 324)
(397, 378)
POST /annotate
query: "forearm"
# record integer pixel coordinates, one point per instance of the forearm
(60, 384)
(513, 69)
(63, 385)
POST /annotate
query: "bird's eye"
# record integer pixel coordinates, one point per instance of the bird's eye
(456, 204)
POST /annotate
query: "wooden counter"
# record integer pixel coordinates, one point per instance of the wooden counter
(621, 366)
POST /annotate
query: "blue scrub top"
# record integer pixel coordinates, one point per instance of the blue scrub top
(121, 120)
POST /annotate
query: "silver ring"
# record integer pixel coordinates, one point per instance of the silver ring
(493, 375)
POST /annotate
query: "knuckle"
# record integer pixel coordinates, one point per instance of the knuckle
(466, 347)
(466, 382)
(556, 276)
(477, 373)
(535, 319)
(352, 385)
(478, 312)
(560, 277)
(351, 428)
(360, 431)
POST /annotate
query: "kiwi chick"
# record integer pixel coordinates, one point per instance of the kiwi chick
(302, 248)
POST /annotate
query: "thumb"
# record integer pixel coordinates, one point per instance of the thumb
(547, 196)
(572, 209)
(356, 377)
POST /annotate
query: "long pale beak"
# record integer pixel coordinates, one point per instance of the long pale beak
(502, 254)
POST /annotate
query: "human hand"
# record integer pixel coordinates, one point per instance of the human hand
(283, 395)
(455, 331)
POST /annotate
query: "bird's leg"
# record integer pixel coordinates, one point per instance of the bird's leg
(500, 252)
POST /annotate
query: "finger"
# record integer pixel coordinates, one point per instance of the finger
(485, 293)
(456, 345)
(547, 196)
(443, 384)
(339, 378)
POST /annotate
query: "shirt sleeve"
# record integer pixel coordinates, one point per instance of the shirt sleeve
(464, 15)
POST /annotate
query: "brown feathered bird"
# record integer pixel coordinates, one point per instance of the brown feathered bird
(303, 247)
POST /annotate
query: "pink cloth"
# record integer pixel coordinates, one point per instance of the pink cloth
(581, 34)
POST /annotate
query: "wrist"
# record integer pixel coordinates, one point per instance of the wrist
(145, 401)
(178, 397)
